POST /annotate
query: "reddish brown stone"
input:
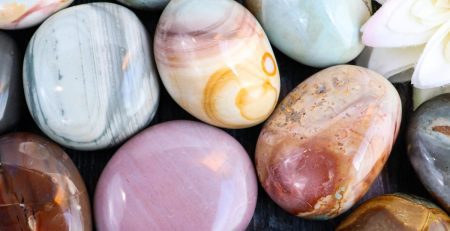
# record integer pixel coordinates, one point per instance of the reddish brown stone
(396, 212)
(40, 188)
(328, 140)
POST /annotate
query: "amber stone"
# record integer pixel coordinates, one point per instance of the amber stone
(328, 140)
(40, 187)
(396, 212)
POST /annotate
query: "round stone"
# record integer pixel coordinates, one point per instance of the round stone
(40, 187)
(178, 175)
(328, 140)
(88, 76)
(10, 92)
(429, 147)
(216, 62)
(318, 33)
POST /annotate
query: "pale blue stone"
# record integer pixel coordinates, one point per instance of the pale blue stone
(318, 33)
(89, 77)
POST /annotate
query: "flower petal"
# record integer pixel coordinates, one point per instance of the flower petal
(400, 23)
(390, 61)
(422, 95)
(381, 1)
(433, 68)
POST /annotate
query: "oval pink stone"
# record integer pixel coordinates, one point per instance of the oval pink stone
(178, 175)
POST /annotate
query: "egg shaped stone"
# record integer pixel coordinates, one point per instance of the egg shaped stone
(429, 147)
(89, 78)
(317, 33)
(10, 90)
(216, 62)
(328, 140)
(396, 212)
(19, 14)
(178, 175)
(145, 4)
(40, 187)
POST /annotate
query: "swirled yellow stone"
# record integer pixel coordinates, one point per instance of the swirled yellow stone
(216, 62)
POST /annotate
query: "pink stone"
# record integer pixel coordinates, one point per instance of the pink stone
(178, 175)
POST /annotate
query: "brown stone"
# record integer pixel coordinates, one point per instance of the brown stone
(40, 187)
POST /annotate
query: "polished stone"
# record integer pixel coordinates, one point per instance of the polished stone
(397, 212)
(145, 4)
(10, 87)
(19, 14)
(178, 175)
(429, 147)
(318, 33)
(40, 187)
(216, 62)
(89, 78)
(328, 140)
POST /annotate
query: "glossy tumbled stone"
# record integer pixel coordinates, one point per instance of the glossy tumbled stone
(429, 147)
(216, 62)
(89, 78)
(19, 14)
(328, 140)
(40, 187)
(177, 175)
(145, 4)
(10, 91)
(397, 212)
(314, 32)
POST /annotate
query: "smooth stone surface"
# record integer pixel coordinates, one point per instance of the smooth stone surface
(328, 140)
(317, 33)
(178, 175)
(40, 187)
(145, 4)
(397, 212)
(216, 62)
(429, 147)
(89, 78)
(10, 91)
(19, 14)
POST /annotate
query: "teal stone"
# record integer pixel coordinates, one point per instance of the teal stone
(317, 33)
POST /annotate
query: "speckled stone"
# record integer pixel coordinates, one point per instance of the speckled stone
(178, 175)
(429, 147)
(397, 212)
(89, 79)
(10, 91)
(40, 187)
(328, 140)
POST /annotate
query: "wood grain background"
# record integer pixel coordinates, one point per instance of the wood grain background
(397, 176)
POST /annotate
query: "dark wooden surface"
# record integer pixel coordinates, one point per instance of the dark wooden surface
(397, 176)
